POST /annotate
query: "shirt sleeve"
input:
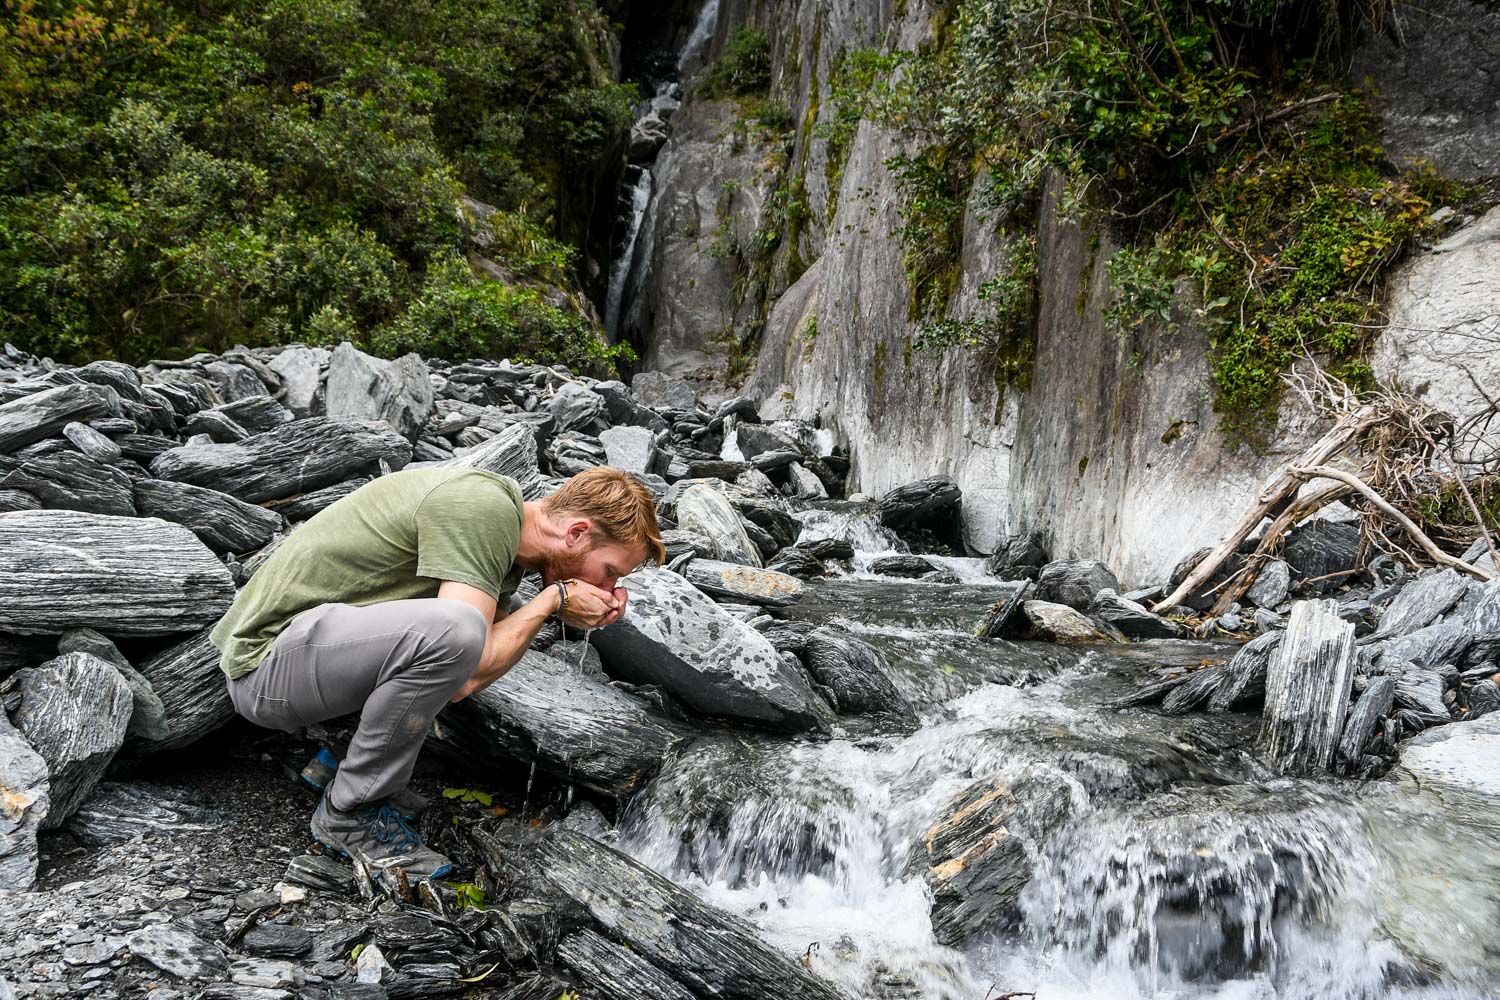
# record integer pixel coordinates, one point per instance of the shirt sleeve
(467, 536)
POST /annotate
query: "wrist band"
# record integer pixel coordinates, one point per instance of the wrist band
(562, 593)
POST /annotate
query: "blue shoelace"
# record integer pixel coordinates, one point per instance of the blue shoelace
(388, 826)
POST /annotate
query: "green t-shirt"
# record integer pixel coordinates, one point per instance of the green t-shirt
(393, 539)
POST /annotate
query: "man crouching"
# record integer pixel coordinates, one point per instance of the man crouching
(395, 600)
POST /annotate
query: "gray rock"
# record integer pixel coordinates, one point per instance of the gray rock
(1307, 689)
(364, 388)
(321, 872)
(92, 443)
(1428, 647)
(117, 812)
(854, 673)
(1460, 764)
(24, 803)
(630, 448)
(905, 566)
(1420, 602)
(674, 637)
(1484, 619)
(750, 441)
(188, 680)
(1004, 616)
(1421, 692)
(256, 413)
(223, 522)
(576, 407)
(567, 721)
(1245, 674)
(511, 452)
(1369, 710)
(797, 562)
(618, 973)
(1319, 548)
(1131, 618)
(277, 941)
(1074, 584)
(124, 576)
(234, 381)
(1272, 585)
(301, 370)
(1484, 698)
(706, 512)
(17, 500)
(218, 425)
(148, 717)
(770, 461)
(1018, 557)
(177, 952)
(298, 457)
(1060, 623)
(122, 378)
(679, 542)
(916, 504)
(305, 505)
(68, 480)
(661, 391)
(74, 711)
(43, 414)
(744, 584)
(143, 447)
(579, 654)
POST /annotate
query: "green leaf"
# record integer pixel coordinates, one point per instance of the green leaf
(453, 793)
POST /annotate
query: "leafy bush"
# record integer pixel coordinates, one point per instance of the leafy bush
(744, 68)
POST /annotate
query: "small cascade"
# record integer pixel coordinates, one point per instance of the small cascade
(857, 524)
(698, 38)
(639, 196)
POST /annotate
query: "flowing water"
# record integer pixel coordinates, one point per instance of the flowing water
(1171, 864)
(637, 201)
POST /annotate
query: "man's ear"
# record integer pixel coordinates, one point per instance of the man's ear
(578, 529)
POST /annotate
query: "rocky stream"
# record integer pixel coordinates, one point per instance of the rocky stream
(825, 755)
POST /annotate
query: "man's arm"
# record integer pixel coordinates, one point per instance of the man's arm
(588, 607)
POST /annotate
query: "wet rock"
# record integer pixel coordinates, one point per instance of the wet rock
(74, 711)
(630, 448)
(1244, 680)
(1060, 623)
(1004, 618)
(1075, 583)
(616, 972)
(676, 638)
(1319, 548)
(1272, 585)
(805, 484)
(904, 566)
(92, 443)
(1369, 710)
(125, 576)
(1307, 689)
(1199, 686)
(829, 548)
(797, 562)
(706, 512)
(175, 951)
(148, 717)
(1421, 692)
(1018, 557)
(277, 941)
(66, 480)
(661, 391)
(363, 388)
(916, 505)
(187, 679)
(770, 461)
(977, 859)
(224, 523)
(1460, 764)
(24, 803)
(744, 584)
(710, 952)
(42, 414)
(294, 458)
(854, 673)
(1431, 647)
(1131, 618)
(565, 720)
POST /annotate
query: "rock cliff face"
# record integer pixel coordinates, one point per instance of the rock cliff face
(1113, 447)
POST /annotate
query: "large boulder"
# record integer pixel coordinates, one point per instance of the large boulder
(1131, 618)
(917, 504)
(1075, 583)
(74, 711)
(364, 388)
(630, 448)
(676, 638)
(223, 522)
(148, 716)
(512, 452)
(68, 480)
(661, 391)
(187, 679)
(1325, 552)
(1060, 623)
(705, 511)
(122, 575)
(1460, 764)
(23, 807)
(576, 407)
(568, 721)
(298, 457)
(43, 414)
(854, 673)
(301, 371)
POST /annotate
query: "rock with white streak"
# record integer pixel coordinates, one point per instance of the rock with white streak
(704, 511)
(43, 414)
(24, 803)
(364, 388)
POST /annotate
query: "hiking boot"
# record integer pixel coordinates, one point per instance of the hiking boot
(321, 769)
(380, 835)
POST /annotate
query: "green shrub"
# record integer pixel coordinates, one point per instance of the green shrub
(744, 68)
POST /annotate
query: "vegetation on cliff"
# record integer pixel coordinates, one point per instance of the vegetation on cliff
(176, 176)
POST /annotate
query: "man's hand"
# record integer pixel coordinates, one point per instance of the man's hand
(591, 607)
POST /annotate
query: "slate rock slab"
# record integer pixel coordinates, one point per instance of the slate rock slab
(855, 673)
(915, 504)
(298, 457)
(24, 803)
(706, 512)
(661, 391)
(43, 414)
(301, 371)
(743, 584)
(511, 452)
(177, 952)
(630, 448)
(1075, 582)
(676, 638)
(365, 388)
(74, 711)
(122, 575)
(68, 480)
(117, 812)
(615, 971)
(1131, 618)
(148, 717)
(188, 680)
(223, 522)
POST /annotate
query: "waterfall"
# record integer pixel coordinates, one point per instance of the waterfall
(703, 29)
(619, 271)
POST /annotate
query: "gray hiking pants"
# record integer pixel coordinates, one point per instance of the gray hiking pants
(396, 663)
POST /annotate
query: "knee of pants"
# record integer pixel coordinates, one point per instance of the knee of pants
(462, 632)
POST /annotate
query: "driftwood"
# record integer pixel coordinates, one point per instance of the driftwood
(60, 569)
(1307, 688)
(1282, 485)
(709, 951)
(1296, 511)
